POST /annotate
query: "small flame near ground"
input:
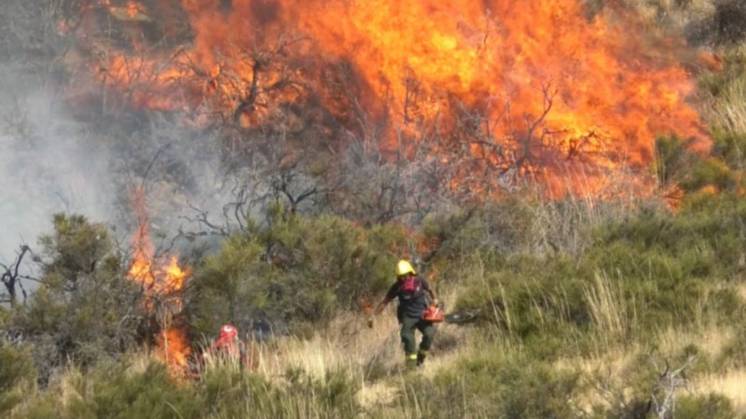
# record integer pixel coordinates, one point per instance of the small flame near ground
(162, 279)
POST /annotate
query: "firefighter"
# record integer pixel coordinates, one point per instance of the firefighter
(415, 298)
(227, 345)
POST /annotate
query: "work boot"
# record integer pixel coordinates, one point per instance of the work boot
(421, 355)
(412, 361)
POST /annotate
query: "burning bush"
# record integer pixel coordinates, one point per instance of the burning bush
(531, 92)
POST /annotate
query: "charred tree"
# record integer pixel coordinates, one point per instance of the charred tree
(12, 277)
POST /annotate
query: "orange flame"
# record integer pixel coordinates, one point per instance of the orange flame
(174, 348)
(161, 282)
(529, 88)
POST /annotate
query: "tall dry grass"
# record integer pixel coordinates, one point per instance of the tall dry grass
(731, 384)
(611, 314)
(372, 357)
(730, 111)
(347, 343)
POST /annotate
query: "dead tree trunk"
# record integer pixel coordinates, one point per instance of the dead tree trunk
(11, 277)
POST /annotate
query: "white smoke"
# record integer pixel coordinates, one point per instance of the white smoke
(48, 164)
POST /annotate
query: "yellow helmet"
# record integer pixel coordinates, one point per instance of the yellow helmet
(404, 268)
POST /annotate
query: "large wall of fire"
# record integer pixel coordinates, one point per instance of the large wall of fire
(536, 89)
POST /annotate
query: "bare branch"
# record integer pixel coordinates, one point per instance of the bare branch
(11, 278)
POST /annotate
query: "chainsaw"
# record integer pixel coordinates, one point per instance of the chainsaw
(435, 314)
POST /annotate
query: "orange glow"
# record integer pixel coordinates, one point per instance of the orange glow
(174, 347)
(128, 11)
(161, 280)
(513, 89)
(132, 9)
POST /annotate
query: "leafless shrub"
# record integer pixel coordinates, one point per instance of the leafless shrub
(12, 278)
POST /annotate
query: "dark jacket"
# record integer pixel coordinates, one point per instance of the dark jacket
(412, 303)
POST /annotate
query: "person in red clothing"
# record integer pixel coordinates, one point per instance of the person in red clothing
(227, 341)
(227, 346)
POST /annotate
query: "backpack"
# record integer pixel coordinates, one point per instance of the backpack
(410, 285)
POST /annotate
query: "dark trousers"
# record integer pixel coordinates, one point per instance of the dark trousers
(408, 325)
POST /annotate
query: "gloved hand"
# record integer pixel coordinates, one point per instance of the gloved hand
(370, 322)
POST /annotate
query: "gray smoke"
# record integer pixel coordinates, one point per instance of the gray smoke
(48, 164)
(51, 161)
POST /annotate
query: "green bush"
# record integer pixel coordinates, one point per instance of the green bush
(673, 160)
(712, 406)
(123, 389)
(332, 396)
(494, 384)
(114, 390)
(119, 393)
(17, 376)
(84, 308)
(730, 148)
(528, 295)
(660, 266)
(228, 286)
(293, 272)
(712, 171)
(676, 164)
(227, 391)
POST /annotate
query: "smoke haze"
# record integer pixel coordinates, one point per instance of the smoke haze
(48, 164)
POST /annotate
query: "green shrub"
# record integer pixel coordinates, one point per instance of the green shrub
(227, 391)
(332, 396)
(228, 286)
(712, 406)
(122, 389)
(658, 266)
(712, 171)
(493, 384)
(17, 376)
(294, 272)
(114, 391)
(673, 160)
(730, 148)
(84, 308)
(527, 295)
